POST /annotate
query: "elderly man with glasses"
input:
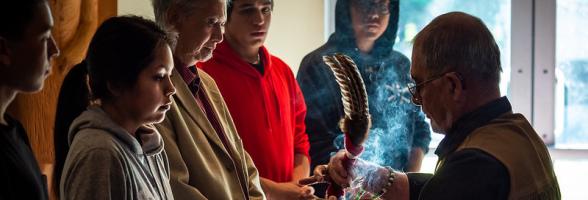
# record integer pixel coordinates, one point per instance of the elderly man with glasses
(207, 158)
(488, 151)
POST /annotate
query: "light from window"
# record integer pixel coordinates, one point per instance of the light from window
(416, 14)
(571, 127)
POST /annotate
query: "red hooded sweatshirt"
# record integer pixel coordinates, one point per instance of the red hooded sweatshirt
(268, 109)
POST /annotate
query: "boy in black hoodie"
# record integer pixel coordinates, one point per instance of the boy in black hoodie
(365, 30)
(26, 48)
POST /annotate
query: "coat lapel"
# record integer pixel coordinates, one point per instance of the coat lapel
(187, 102)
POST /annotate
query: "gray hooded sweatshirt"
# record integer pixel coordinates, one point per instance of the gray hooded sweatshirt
(106, 162)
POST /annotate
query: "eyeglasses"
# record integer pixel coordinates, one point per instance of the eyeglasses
(414, 88)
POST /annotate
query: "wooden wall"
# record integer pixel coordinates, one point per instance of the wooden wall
(75, 23)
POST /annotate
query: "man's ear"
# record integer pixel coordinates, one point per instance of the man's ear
(172, 17)
(457, 86)
(4, 52)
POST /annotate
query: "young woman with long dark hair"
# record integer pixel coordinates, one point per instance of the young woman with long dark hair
(115, 95)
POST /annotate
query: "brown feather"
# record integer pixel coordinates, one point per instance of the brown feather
(357, 119)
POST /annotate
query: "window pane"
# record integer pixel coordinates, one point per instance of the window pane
(571, 74)
(415, 14)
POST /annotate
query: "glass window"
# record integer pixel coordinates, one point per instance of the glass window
(416, 14)
(571, 129)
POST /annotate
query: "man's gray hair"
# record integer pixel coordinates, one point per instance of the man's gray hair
(161, 7)
(460, 42)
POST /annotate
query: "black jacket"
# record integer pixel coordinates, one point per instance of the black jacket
(20, 174)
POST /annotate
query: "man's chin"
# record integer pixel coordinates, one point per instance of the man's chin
(203, 58)
(436, 127)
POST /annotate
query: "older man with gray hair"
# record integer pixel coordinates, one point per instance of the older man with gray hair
(206, 155)
(488, 151)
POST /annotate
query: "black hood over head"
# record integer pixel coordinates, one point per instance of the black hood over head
(344, 35)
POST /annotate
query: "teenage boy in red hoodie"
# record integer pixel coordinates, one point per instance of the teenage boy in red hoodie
(264, 100)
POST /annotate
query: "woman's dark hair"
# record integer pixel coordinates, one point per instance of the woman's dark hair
(15, 17)
(121, 48)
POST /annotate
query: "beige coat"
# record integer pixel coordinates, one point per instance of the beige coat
(201, 167)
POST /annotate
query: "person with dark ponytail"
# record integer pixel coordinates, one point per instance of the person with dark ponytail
(73, 99)
(114, 151)
(26, 48)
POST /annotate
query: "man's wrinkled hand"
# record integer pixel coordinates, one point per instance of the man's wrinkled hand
(338, 173)
(319, 176)
(334, 171)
